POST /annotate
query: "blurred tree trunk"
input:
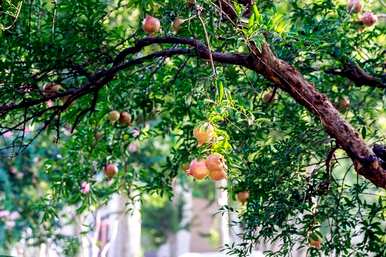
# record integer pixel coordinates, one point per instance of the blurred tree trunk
(235, 229)
(126, 232)
(180, 241)
(222, 200)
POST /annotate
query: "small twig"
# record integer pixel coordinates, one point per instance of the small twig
(330, 155)
(15, 17)
(85, 111)
(57, 127)
(179, 71)
(199, 10)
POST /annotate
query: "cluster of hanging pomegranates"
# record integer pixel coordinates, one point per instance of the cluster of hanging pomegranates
(213, 166)
(124, 118)
(152, 25)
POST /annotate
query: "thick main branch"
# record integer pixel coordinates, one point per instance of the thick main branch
(291, 81)
(263, 62)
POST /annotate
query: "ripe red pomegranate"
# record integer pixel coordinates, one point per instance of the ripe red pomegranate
(354, 6)
(215, 162)
(204, 133)
(216, 166)
(243, 196)
(113, 116)
(198, 169)
(111, 170)
(217, 174)
(369, 19)
(125, 118)
(151, 25)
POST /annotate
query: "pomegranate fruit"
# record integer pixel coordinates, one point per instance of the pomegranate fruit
(198, 169)
(243, 196)
(111, 170)
(151, 25)
(125, 118)
(344, 103)
(204, 134)
(216, 166)
(369, 19)
(114, 116)
(215, 162)
(354, 6)
(217, 174)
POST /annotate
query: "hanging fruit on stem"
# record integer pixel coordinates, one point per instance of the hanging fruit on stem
(216, 166)
(198, 169)
(204, 133)
(113, 116)
(110, 170)
(151, 25)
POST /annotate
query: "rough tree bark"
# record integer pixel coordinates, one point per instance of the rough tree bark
(263, 62)
(291, 81)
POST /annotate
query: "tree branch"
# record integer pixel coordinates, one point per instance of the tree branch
(263, 62)
(290, 80)
(356, 74)
(201, 49)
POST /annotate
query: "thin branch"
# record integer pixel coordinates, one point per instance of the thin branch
(199, 10)
(85, 111)
(330, 155)
(356, 74)
(262, 61)
(201, 50)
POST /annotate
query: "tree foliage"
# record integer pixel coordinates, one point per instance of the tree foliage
(295, 161)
